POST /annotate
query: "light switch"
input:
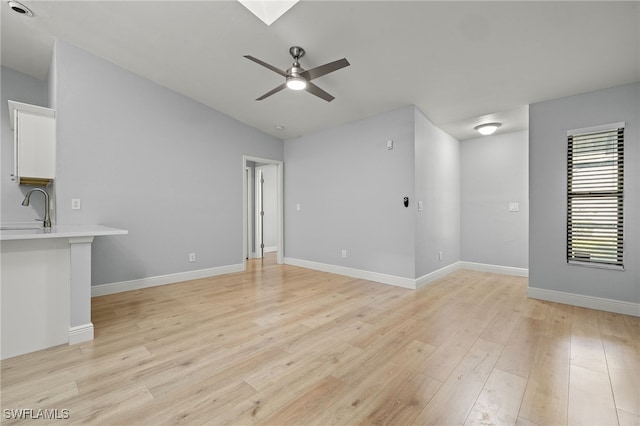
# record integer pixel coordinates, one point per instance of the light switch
(514, 207)
(75, 204)
(298, 207)
(420, 206)
(389, 144)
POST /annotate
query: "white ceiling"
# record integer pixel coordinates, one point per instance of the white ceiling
(461, 63)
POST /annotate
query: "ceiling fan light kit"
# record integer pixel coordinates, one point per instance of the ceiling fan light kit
(296, 83)
(297, 78)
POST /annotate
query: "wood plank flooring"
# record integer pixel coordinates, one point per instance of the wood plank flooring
(281, 345)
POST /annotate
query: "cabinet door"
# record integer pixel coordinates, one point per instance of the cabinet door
(35, 145)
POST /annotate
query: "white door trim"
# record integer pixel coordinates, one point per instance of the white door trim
(249, 205)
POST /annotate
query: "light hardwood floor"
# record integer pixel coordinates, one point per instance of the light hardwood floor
(282, 345)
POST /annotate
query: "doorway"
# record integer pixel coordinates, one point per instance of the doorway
(263, 222)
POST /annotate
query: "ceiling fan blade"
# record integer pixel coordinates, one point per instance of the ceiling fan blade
(315, 90)
(271, 92)
(325, 69)
(266, 65)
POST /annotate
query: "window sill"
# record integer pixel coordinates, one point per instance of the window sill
(596, 265)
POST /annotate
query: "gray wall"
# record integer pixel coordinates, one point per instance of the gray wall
(548, 124)
(22, 88)
(437, 177)
(350, 190)
(494, 173)
(149, 160)
(52, 82)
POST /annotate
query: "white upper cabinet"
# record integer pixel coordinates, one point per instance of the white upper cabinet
(34, 143)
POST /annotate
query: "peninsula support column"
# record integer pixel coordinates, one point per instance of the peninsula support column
(80, 326)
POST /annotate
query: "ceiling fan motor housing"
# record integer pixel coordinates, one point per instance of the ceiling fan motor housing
(295, 71)
(294, 80)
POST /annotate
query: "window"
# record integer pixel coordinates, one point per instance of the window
(595, 177)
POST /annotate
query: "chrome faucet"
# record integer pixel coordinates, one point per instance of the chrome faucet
(47, 206)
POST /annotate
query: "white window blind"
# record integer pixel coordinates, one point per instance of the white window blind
(595, 179)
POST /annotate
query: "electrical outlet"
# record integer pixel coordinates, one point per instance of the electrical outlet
(514, 207)
(75, 204)
(192, 257)
(344, 254)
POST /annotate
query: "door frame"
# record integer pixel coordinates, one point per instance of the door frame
(248, 175)
(280, 205)
(259, 211)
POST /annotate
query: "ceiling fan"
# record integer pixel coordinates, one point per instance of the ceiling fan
(298, 78)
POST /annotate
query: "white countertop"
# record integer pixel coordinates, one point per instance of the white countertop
(58, 231)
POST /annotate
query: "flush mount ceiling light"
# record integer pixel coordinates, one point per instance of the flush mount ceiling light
(20, 8)
(268, 10)
(487, 128)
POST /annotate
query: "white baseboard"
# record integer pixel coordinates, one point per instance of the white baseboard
(80, 333)
(355, 273)
(270, 249)
(410, 283)
(599, 303)
(111, 288)
(495, 269)
(435, 275)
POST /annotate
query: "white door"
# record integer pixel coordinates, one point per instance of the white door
(259, 213)
(268, 211)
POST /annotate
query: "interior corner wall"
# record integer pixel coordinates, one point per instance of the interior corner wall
(548, 126)
(437, 185)
(16, 86)
(147, 159)
(52, 86)
(495, 173)
(350, 189)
